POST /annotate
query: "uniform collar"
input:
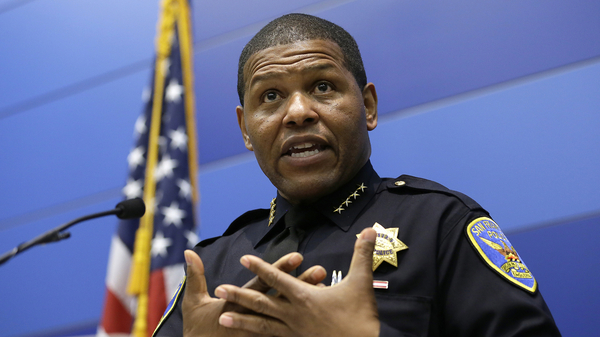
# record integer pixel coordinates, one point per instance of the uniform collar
(341, 207)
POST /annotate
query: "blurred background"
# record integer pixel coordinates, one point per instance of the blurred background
(497, 99)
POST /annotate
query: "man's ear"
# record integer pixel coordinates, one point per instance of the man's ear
(240, 117)
(370, 102)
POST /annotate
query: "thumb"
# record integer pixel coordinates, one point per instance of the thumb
(195, 279)
(361, 267)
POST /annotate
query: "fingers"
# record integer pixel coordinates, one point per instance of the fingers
(253, 323)
(313, 275)
(195, 281)
(271, 276)
(362, 259)
(286, 264)
(255, 301)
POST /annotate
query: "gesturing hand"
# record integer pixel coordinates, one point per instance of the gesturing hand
(346, 309)
(200, 311)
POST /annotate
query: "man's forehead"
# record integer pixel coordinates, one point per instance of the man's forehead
(315, 55)
(267, 74)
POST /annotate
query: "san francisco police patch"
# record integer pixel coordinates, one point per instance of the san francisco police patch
(495, 249)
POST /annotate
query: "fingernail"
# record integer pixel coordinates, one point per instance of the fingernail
(221, 293)
(245, 261)
(185, 255)
(226, 320)
(370, 236)
(319, 275)
(295, 259)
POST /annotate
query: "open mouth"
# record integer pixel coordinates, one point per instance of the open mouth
(304, 150)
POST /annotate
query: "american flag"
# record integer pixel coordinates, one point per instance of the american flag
(173, 224)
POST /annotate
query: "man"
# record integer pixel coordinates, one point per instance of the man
(427, 262)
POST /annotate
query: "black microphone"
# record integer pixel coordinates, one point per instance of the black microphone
(131, 208)
(126, 209)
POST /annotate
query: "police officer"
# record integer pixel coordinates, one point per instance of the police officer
(406, 256)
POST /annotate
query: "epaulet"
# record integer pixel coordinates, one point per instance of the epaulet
(239, 223)
(406, 182)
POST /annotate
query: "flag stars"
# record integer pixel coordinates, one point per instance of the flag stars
(133, 188)
(140, 125)
(135, 158)
(192, 238)
(160, 244)
(185, 189)
(178, 138)
(165, 167)
(173, 92)
(173, 214)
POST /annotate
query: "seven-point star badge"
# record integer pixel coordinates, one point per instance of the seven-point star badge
(386, 246)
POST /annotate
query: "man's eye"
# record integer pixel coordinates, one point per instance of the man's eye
(322, 88)
(270, 97)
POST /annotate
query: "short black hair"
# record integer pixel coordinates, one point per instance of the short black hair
(296, 27)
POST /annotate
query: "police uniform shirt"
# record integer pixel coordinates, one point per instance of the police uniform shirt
(442, 285)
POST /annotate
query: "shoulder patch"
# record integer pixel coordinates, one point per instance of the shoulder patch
(497, 252)
(171, 305)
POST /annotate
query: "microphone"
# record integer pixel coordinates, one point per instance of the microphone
(131, 208)
(126, 209)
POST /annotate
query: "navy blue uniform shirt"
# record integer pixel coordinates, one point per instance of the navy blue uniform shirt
(442, 285)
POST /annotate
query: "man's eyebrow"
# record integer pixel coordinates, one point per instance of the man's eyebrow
(264, 77)
(270, 75)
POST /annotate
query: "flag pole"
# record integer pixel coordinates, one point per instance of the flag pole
(140, 271)
(187, 56)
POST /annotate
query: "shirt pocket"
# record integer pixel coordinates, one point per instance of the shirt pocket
(407, 314)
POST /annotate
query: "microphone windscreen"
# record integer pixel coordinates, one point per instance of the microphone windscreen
(131, 208)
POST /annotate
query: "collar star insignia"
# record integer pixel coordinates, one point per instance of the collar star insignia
(272, 212)
(387, 246)
(347, 202)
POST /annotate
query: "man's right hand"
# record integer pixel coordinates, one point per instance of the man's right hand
(201, 312)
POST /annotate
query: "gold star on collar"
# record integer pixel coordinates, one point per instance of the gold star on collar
(272, 212)
(386, 246)
(347, 202)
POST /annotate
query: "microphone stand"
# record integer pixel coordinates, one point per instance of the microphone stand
(53, 235)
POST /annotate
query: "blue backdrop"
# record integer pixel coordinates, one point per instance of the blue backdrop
(499, 100)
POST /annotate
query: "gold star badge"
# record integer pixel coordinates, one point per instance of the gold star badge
(386, 246)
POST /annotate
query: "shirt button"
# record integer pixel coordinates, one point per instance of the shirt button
(399, 183)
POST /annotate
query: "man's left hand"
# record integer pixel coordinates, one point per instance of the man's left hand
(346, 309)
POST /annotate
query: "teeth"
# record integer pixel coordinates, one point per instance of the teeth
(304, 154)
(302, 146)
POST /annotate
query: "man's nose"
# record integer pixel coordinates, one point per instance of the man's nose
(300, 111)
